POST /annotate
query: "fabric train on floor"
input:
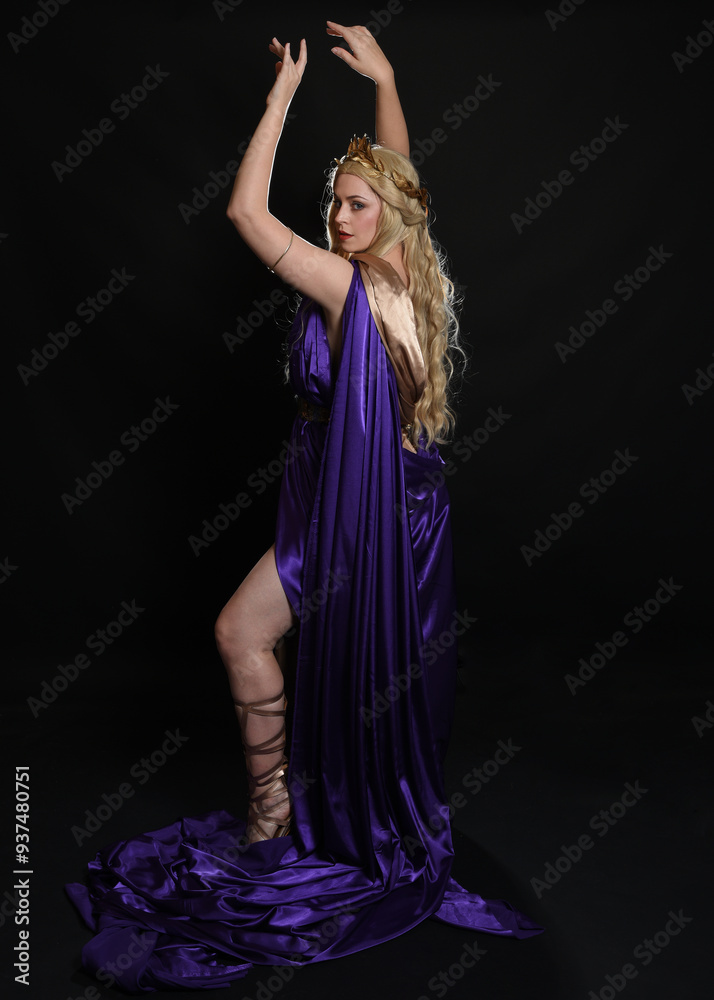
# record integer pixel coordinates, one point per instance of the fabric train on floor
(364, 552)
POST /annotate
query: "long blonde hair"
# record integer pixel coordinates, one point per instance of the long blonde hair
(402, 220)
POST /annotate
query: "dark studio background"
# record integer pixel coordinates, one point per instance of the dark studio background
(67, 574)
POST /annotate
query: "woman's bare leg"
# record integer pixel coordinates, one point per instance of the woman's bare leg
(247, 631)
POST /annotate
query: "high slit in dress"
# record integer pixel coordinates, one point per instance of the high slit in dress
(364, 554)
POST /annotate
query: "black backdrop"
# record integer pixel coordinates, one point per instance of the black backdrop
(143, 391)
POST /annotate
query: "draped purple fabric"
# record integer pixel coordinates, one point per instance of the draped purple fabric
(364, 552)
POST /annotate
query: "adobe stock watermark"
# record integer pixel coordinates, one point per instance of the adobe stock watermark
(625, 287)
(702, 725)
(581, 158)
(703, 381)
(298, 784)
(463, 449)
(96, 642)
(88, 310)
(635, 620)
(429, 653)
(142, 770)
(454, 117)
(281, 975)
(473, 781)
(218, 181)
(311, 604)
(470, 443)
(314, 601)
(601, 823)
(645, 953)
(110, 972)
(31, 26)
(9, 906)
(695, 47)
(228, 513)
(224, 7)
(380, 19)
(591, 490)
(122, 107)
(132, 438)
(7, 569)
(246, 326)
(440, 984)
(561, 15)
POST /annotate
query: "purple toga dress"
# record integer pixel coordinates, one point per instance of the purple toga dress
(364, 553)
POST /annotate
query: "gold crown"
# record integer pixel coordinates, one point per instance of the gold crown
(360, 149)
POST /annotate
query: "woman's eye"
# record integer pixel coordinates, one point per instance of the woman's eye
(357, 204)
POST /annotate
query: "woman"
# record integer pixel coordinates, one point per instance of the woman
(351, 845)
(370, 211)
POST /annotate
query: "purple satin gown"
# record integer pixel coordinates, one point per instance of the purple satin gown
(364, 552)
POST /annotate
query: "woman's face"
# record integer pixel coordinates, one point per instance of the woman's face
(357, 213)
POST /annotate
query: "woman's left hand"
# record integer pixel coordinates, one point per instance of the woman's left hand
(364, 54)
(288, 73)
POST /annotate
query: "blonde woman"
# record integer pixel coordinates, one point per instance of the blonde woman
(377, 217)
(348, 844)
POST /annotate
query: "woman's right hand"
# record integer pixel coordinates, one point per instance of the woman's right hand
(288, 73)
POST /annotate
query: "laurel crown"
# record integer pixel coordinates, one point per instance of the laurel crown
(360, 149)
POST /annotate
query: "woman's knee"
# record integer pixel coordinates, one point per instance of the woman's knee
(244, 637)
(239, 655)
(224, 632)
(257, 616)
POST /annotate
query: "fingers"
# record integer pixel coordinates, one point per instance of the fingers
(333, 28)
(278, 50)
(344, 54)
(302, 55)
(283, 51)
(362, 47)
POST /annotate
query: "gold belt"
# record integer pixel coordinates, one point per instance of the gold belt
(310, 411)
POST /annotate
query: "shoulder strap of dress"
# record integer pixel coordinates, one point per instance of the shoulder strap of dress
(393, 312)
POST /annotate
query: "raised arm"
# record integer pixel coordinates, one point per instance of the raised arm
(367, 59)
(315, 272)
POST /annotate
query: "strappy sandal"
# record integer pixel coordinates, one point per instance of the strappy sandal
(271, 782)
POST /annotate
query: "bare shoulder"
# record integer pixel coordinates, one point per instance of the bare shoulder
(315, 272)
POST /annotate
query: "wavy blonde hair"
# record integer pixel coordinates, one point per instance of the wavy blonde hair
(402, 220)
